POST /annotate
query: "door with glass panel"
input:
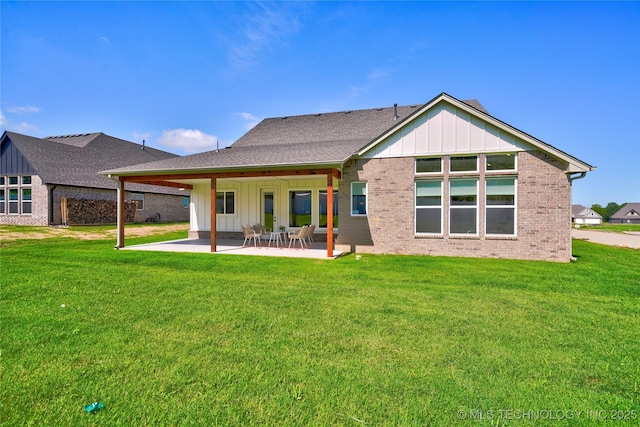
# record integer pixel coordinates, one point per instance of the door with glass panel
(268, 215)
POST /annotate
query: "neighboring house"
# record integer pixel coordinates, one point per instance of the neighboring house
(442, 178)
(628, 214)
(584, 215)
(55, 180)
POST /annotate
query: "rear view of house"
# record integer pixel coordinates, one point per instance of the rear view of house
(55, 180)
(441, 178)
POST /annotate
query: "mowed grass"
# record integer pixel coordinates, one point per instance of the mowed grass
(201, 339)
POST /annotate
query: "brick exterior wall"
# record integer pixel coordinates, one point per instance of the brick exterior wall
(543, 209)
(170, 207)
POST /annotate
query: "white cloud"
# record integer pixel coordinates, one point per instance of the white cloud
(188, 140)
(250, 120)
(10, 125)
(267, 25)
(24, 109)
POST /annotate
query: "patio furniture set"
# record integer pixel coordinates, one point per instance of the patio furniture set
(257, 233)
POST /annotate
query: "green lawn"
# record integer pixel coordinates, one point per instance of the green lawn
(612, 228)
(201, 339)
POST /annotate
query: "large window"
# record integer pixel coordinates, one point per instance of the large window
(358, 199)
(16, 190)
(501, 206)
(225, 202)
(324, 212)
(299, 208)
(429, 207)
(463, 206)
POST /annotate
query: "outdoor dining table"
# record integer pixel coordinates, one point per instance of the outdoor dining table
(279, 238)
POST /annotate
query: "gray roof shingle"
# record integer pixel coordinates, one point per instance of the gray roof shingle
(76, 160)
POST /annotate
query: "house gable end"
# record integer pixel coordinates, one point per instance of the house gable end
(12, 161)
(446, 125)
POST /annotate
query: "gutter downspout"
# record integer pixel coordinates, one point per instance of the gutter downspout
(51, 188)
(571, 179)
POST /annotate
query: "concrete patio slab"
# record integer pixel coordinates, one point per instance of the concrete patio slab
(317, 250)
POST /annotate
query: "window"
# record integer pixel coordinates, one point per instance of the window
(463, 206)
(185, 202)
(26, 180)
(13, 180)
(225, 202)
(2, 201)
(433, 165)
(139, 199)
(464, 164)
(1, 180)
(322, 202)
(501, 162)
(358, 199)
(26, 200)
(429, 207)
(501, 206)
(13, 200)
(299, 208)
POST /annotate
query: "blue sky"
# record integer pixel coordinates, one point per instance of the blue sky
(183, 75)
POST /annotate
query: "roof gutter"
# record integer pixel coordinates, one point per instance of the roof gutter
(579, 176)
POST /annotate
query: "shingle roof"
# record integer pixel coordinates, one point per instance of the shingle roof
(312, 139)
(579, 211)
(76, 160)
(626, 210)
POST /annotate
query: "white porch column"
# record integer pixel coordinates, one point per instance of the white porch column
(120, 213)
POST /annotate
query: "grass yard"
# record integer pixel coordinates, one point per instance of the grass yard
(612, 228)
(201, 339)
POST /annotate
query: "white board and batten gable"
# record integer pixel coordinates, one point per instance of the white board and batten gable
(447, 126)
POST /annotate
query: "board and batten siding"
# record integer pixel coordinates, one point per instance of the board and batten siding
(445, 129)
(248, 194)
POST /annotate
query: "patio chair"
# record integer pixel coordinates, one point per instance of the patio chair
(250, 234)
(259, 228)
(312, 229)
(300, 235)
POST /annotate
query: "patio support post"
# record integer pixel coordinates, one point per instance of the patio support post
(330, 215)
(120, 218)
(213, 213)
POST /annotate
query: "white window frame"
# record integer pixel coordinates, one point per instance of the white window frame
(428, 173)
(515, 162)
(335, 201)
(440, 206)
(460, 207)
(311, 208)
(366, 199)
(451, 171)
(19, 186)
(514, 206)
(224, 202)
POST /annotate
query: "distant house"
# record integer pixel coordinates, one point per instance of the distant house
(583, 215)
(55, 180)
(440, 178)
(628, 214)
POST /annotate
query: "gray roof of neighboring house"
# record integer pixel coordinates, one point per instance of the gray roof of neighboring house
(578, 211)
(625, 210)
(75, 160)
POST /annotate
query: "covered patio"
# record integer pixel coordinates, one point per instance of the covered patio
(317, 250)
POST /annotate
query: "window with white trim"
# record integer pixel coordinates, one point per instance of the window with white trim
(463, 206)
(139, 199)
(429, 165)
(428, 207)
(463, 164)
(500, 217)
(359, 198)
(225, 202)
(299, 208)
(500, 162)
(16, 190)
